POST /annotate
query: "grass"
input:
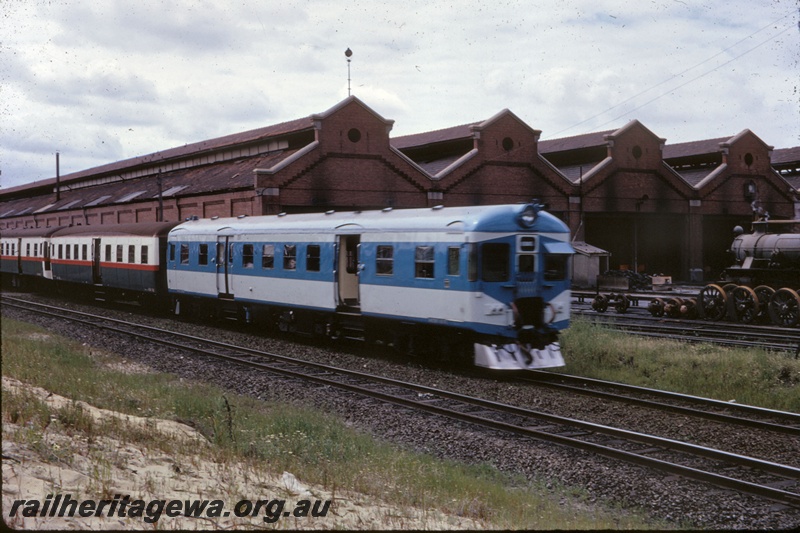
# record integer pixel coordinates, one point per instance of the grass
(745, 375)
(317, 448)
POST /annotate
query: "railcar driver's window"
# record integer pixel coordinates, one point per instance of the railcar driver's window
(555, 267)
(495, 262)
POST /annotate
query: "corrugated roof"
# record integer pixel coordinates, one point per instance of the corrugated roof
(463, 131)
(693, 148)
(586, 140)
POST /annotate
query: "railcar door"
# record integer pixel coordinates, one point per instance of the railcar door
(224, 257)
(347, 270)
(97, 275)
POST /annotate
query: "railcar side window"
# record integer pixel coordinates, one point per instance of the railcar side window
(144, 255)
(85, 252)
(268, 256)
(68, 247)
(61, 251)
(119, 253)
(184, 254)
(75, 255)
(289, 256)
(171, 252)
(247, 256)
(454, 261)
(131, 253)
(384, 261)
(423, 262)
(555, 267)
(220, 253)
(28, 249)
(312, 258)
(495, 262)
(202, 258)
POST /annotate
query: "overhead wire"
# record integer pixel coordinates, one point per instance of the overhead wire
(684, 72)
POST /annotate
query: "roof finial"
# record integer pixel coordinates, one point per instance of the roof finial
(348, 53)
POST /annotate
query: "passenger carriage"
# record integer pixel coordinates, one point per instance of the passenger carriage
(494, 279)
(26, 255)
(123, 260)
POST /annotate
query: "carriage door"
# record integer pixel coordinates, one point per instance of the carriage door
(224, 257)
(97, 276)
(347, 270)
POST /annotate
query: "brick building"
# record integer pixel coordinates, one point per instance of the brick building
(656, 207)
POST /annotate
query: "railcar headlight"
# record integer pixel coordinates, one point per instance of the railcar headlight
(528, 215)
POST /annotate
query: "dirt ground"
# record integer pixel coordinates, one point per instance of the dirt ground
(104, 468)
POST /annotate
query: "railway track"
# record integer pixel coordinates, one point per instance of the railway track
(638, 321)
(720, 468)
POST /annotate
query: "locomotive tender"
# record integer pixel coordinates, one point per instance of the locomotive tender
(490, 280)
(765, 279)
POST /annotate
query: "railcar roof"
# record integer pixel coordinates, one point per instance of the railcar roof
(31, 232)
(144, 229)
(492, 218)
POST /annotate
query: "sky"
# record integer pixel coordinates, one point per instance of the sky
(101, 81)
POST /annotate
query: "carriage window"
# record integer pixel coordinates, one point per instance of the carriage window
(144, 255)
(35, 250)
(472, 262)
(423, 262)
(268, 256)
(28, 249)
(555, 267)
(69, 249)
(108, 253)
(61, 251)
(131, 254)
(247, 256)
(184, 254)
(220, 253)
(119, 253)
(453, 261)
(384, 261)
(495, 262)
(289, 256)
(203, 257)
(85, 252)
(75, 255)
(312, 258)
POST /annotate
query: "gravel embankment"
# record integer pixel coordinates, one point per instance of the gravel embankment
(667, 497)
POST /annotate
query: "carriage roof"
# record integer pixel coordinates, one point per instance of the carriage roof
(495, 218)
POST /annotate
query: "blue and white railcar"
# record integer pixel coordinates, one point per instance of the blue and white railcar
(493, 278)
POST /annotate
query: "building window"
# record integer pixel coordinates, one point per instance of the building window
(203, 257)
(184, 254)
(312, 258)
(354, 135)
(454, 261)
(289, 256)
(423, 262)
(384, 261)
(268, 256)
(247, 256)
